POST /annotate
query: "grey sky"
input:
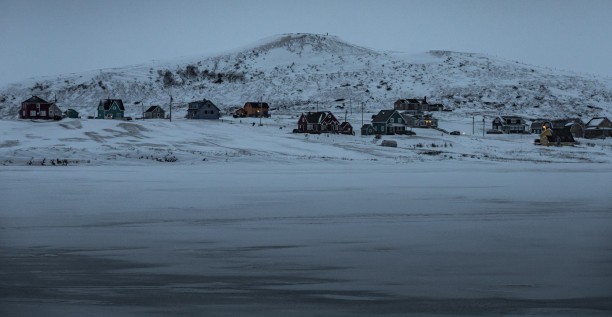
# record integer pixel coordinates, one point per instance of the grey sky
(47, 37)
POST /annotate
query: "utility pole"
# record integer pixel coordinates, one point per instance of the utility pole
(260, 111)
(362, 114)
(473, 125)
(170, 108)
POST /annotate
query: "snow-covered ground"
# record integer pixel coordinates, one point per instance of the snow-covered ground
(229, 218)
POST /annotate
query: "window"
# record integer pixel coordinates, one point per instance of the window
(32, 113)
(43, 113)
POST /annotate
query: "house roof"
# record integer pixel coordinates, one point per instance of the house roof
(152, 108)
(257, 104)
(35, 99)
(383, 115)
(345, 124)
(366, 126)
(413, 100)
(201, 103)
(107, 103)
(316, 117)
(595, 122)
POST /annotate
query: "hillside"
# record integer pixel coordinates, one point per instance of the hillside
(295, 72)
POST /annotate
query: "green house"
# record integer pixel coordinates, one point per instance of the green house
(71, 113)
(111, 109)
(389, 122)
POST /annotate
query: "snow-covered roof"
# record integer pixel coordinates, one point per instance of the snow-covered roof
(595, 122)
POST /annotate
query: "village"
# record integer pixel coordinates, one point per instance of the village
(405, 115)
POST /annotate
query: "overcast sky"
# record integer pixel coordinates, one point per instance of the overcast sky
(48, 37)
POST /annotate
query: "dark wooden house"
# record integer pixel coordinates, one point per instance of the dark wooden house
(111, 109)
(600, 127)
(318, 122)
(203, 109)
(155, 112)
(509, 124)
(257, 109)
(38, 108)
(575, 125)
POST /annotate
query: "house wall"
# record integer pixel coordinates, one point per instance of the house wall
(35, 111)
(253, 110)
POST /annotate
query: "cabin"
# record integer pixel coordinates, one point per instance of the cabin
(155, 112)
(600, 127)
(71, 113)
(420, 120)
(367, 129)
(203, 109)
(38, 108)
(318, 122)
(509, 124)
(389, 122)
(346, 128)
(111, 109)
(575, 125)
(257, 109)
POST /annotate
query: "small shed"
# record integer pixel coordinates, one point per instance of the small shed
(367, 129)
(346, 128)
(155, 112)
(71, 113)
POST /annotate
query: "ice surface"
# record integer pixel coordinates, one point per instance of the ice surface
(307, 239)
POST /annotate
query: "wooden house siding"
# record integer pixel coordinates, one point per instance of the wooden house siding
(256, 109)
(509, 124)
(111, 109)
(389, 122)
(38, 108)
(203, 109)
(598, 128)
(318, 122)
(155, 112)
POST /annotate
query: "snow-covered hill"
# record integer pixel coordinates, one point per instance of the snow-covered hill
(297, 72)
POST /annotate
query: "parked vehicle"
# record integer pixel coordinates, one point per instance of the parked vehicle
(455, 133)
(389, 143)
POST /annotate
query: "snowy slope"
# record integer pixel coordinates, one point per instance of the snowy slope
(295, 72)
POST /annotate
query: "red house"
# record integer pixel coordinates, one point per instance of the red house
(318, 122)
(38, 108)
